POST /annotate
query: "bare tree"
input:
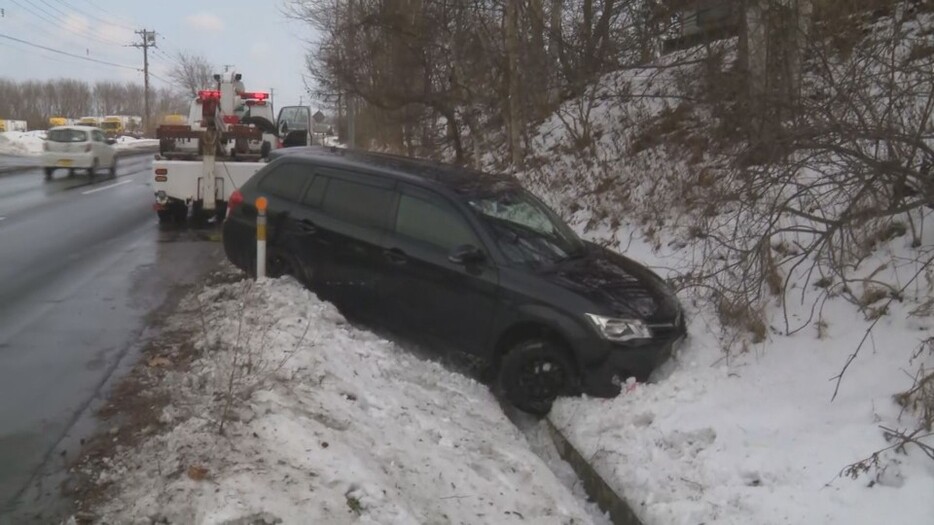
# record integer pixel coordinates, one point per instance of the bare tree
(192, 72)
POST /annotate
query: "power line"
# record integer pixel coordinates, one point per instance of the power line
(157, 77)
(35, 53)
(45, 16)
(89, 15)
(101, 9)
(89, 59)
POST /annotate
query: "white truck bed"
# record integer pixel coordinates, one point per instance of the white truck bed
(183, 180)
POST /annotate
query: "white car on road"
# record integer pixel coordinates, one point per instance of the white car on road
(78, 147)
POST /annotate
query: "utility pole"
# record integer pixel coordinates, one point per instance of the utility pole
(351, 121)
(227, 67)
(147, 40)
(272, 98)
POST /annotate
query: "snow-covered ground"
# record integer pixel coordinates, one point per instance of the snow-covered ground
(29, 143)
(756, 437)
(21, 142)
(326, 423)
(737, 432)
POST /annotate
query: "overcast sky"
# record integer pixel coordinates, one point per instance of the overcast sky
(252, 35)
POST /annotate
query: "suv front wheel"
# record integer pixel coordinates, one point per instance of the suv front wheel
(534, 373)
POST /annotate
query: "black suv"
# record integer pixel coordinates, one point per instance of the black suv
(468, 260)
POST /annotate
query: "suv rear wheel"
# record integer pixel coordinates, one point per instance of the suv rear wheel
(279, 263)
(534, 373)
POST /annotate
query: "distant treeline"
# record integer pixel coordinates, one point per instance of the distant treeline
(36, 101)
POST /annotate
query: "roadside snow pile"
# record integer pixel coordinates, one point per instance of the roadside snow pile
(21, 142)
(756, 437)
(744, 427)
(322, 423)
(29, 143)
(127, 142)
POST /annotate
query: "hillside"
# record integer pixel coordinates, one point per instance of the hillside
(804, 393)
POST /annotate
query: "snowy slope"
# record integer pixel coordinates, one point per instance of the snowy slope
(755, 437)
(736, 431)
(330, 424)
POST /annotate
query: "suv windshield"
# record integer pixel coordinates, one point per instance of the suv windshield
(67, 135)
(525, 229)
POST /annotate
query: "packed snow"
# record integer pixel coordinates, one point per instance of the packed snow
(29, 143)
(21, 142)
(736, 432)
(326, 423)
(755, 437)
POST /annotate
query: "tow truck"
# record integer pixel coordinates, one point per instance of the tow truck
(227, 139)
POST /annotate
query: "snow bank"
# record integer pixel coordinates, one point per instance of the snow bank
(29, 143)
(21, 142)
(329, 424)
(129, 143)
(756, 438)
(750, 436)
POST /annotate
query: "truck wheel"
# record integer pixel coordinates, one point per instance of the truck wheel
(173, 213)
(165, 216)
(265, 149)
(221, 208)
(48, 173)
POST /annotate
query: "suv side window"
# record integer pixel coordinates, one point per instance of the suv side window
(98, 136)
(431, 220)
(286, 181)
(357, 202)
(315, 192)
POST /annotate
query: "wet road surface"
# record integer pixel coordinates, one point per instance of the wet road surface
(83, 268)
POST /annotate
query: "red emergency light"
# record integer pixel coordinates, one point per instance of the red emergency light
(231, 119)
(211, 94)
(255, 95)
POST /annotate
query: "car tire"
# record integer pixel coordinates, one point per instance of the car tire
(71, 172)
(533, 373)
(280, 263)
(113, 169)
(48, 173)
(92, 171)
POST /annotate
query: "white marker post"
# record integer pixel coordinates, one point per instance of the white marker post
(261, 204)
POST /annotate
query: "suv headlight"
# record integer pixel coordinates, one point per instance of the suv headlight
(620, 330)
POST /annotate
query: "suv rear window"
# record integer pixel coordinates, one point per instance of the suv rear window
(286, 181)
(67, 135)
(357, 203)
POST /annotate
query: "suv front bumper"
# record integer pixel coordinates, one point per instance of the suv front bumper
(606, 378)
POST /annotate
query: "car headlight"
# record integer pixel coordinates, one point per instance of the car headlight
(620, 330)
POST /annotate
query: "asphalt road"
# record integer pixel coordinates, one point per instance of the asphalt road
(83, 268)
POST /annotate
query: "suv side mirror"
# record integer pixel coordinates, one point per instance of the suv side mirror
(466, 254)
(111, 141)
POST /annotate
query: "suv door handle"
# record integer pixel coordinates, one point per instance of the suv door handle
(395, 256)
(307, 226)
